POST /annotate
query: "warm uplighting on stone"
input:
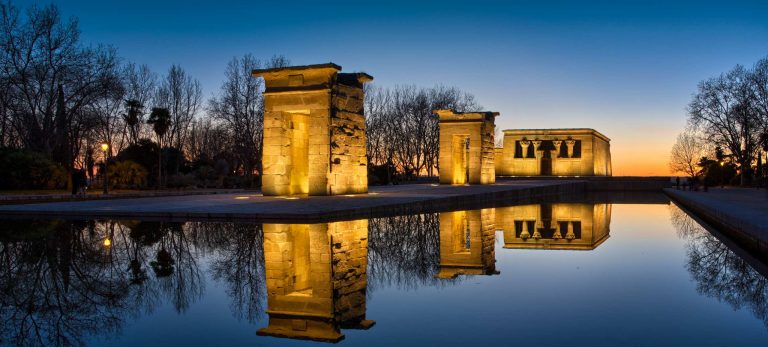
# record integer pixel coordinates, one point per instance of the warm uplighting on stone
(467, 243)
(316, 279)
(466, 147)
(554, 226)
(554, 152)
(314, 131)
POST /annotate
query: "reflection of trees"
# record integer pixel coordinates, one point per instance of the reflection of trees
(239, 262)
(718, 271)
(56, 286)
(63, 281)
(404, 251)
(179, 274)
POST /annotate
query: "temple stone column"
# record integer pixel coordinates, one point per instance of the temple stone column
(539, 154)
(459, 164)
(570, 143)
(524, 144)
(556, 170)
(314, 131)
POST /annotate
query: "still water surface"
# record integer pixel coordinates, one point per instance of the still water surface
(546, 275)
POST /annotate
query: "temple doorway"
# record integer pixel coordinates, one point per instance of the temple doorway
(460, 156)
(299, 174)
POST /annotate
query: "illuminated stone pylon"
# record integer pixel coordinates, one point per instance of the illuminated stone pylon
(467, 243)
(466, 147)
(316, 279)
(314, 131)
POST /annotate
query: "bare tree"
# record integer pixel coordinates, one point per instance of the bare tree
(723, 110)
(686, 153)
(140, 84)
(182, 96)
(239, 106)
(51, 80)
(402, 131)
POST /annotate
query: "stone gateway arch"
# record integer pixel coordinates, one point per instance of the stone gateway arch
(314, 131)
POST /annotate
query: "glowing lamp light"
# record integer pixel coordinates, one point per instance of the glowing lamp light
(107, 243)
(104, 147)
(722, 163)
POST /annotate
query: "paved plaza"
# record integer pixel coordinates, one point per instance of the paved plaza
(382, 200)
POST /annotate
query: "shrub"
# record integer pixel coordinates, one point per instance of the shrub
(127, 174)
(22, 169)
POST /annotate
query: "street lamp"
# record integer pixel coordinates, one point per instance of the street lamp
(105, 148)
(722, 174)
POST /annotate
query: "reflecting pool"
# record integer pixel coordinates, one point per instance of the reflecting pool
(546, 274)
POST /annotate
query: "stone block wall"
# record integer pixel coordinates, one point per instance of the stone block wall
(478, 128)
(349, 163)
(318, 108)
(349, 255)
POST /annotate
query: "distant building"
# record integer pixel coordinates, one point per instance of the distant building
(466, 147)
(554, 152)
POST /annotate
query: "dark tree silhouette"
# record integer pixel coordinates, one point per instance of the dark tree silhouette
(160, 119)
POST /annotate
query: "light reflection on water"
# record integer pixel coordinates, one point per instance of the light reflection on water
(549, 274)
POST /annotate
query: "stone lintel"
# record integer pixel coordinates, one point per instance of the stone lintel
(564, 132)
(298, 90)
(452, 116)
(354, 78)
(294, 69)
(298, 314)
(298, 78)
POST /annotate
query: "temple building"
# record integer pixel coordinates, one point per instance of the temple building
(466, 147)
(563, 226)
(314, 131)
(316, 279)
(467, 241)
(554, 152)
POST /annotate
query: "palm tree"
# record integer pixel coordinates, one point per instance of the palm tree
(132, 118)
(160, 119)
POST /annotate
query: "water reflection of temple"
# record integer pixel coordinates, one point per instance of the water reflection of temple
(467, 243)
(316, 279)
(554, 226)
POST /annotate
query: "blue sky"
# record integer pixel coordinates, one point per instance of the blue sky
(625, 68)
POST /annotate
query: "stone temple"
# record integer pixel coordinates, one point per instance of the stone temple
(314, 131)
(554, 152)
(467, 147)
